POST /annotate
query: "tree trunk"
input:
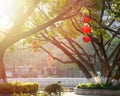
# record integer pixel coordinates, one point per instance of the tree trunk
(2, 67)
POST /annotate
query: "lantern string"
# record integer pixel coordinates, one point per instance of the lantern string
(86, 28)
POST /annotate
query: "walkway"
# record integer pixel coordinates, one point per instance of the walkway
(72, 94)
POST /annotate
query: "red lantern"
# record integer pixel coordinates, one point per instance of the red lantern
(86, 29)
(34, 42)
(49, 57)
(49, 60)
(86, 19)
(86, 39)
(34, 46)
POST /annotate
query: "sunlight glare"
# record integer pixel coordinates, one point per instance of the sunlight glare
(8, 10)
(1, 36)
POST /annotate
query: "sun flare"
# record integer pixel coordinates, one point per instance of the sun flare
(8, 10)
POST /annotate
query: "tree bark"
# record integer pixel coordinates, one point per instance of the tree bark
(2, 67)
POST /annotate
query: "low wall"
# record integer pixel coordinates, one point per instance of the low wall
(66, 82)
(101, 92)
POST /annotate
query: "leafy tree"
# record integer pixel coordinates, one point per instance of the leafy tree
(104, 35)
(60, 25)
(22, 26)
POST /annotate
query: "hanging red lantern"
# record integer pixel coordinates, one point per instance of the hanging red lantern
(35, 45)
(34, 42)
(86, 19)
(49, 60)
(86, 39)
(86, 29)
(49, 57)
(48, 63)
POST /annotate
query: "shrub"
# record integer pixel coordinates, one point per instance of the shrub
(18, 87)
(98, 86)
(54, 88)
(26, 87)
(6, 88)
(108, 86)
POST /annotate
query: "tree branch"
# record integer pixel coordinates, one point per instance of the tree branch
(67, 46)
(71, 57)
(84, 52)
(114, 52)
(105, 27)
(102, 11)
(55, 58)
(108, 2)
(75, 26)
(111, 22)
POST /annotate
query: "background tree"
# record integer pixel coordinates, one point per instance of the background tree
(19, 30)
(105, 30)
(104, 35)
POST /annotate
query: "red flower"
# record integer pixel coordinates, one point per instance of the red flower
(86, 39)
(86, 19)
(86, 29)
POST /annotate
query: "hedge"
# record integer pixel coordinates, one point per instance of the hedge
(98, 86)
(18, 87)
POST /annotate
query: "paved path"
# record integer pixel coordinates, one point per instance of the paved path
(72, 94)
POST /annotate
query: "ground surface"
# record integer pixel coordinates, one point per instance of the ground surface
(72, 94)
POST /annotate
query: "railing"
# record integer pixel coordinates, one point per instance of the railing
(66, 82)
